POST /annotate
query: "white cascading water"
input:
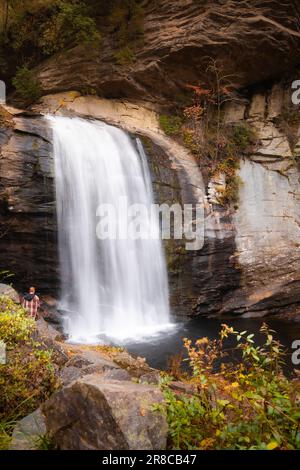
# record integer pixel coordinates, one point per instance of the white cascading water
(115, 288)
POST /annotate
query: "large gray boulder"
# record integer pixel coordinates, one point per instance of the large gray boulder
(10, 292)
(47, 331)
(49, 338)
(89, 362)
(99, 414)
(28, 432)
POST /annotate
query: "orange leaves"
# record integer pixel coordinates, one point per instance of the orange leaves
(193, 112)
(198, 90)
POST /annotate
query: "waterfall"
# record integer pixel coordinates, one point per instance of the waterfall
(115, 288)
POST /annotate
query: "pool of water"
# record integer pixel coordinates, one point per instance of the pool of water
(158, 349)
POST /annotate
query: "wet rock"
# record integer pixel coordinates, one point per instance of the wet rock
(95, 414)
(49, 310)
(27, 210)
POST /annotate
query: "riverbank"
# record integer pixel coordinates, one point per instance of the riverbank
(102, 397)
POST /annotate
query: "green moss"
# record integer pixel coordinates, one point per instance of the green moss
(88, 91)
(171, 125)
(147, 143)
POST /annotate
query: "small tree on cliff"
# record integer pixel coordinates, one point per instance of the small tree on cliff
(206, 110)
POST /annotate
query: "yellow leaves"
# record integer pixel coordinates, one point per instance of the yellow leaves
(226, 330)
(193, 112)
(272, 445)
(202, 341)
(231, 386)
(207, 443)
(73, 94)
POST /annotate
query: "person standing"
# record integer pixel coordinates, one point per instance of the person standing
(31, 303)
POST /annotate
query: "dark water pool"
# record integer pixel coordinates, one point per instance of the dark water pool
(159, 349)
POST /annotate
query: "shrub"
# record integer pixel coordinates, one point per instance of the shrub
(15, 325)
(26, 84)
(69, 24)
(28, 377)
(52, 27)
(126, 20)
(189, 140)
(124, 56)
(288, 122)
(241, 137)
(231, 193)
(235, 405)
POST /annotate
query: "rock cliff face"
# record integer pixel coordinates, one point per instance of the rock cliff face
(265, 227)
(254, 41)
(27, 220)
(249, 264)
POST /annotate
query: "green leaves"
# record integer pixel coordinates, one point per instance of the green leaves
(28, 376)
(26, 84)
(69, 24)
(247, 405)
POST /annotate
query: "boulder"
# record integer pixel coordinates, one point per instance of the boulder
(152, 377)
(89, 362)
(9, 292)
(49, 338)
(46, 331)
(69, 374)
(116, 374)
(49, 310)
(136, 367)
(28, 432)
(97, 414)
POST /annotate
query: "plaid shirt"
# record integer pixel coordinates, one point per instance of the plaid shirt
(32, 306)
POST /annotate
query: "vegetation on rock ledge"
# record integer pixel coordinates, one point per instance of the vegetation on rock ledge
(199, 125)
(28, 376)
